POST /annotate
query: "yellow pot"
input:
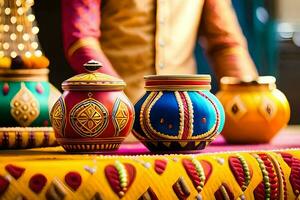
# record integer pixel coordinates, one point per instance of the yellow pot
(255, 111)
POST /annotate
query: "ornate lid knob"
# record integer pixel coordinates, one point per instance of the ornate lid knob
(92, 65)
(93, 80)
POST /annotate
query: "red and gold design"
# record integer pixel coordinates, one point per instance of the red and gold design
(73, 180)
(98, 114)
(56, 190)
(224, 193)
(273, 185)
(181, 189)
(120, 177)
(120, 116)
(15, 171)
(4, 183)
(37, 182)
(294, 164)
(198, 171)
(89, 118)
(58, 116)
(240, 170)
(148, 195)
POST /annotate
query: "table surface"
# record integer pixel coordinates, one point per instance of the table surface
(287, 138)
(23, 171)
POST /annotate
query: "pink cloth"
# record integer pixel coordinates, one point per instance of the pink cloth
(74, 28)
(87, 25)
(281, 141)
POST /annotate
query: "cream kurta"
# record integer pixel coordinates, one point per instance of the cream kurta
(142, 37)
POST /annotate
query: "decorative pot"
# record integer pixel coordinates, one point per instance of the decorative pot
(26, 98)
(255, 110)
(93, 113)
(178, 112)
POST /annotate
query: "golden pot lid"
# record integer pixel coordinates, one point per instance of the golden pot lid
(93, 80)
(261, 80)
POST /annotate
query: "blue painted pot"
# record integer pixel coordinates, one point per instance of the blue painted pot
(177, 113)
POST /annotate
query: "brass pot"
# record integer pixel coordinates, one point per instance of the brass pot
(255, 110)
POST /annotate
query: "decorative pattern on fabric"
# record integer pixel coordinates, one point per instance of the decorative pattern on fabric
(14, 171)
(221, 176)
(148, 195)
(224, 193)
(240, 170)
(294, 164)
(273, 185)
(181, 189)
(120, 177)
(160, 166)
(198, 171)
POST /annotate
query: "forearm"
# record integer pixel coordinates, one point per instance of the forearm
(233, 61)
(224, 42)
(81, 33)
(84, 50)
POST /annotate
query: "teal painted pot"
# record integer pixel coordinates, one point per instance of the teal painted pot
(178, 113)
(26, 98)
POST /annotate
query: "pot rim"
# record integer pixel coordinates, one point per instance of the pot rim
(179, 77)
(182, 82)
(24, 74)
(93, 85)
(260, 80)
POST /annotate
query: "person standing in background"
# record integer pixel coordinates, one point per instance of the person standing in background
(133, 38)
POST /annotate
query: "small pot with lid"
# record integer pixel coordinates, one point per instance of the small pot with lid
(93, 114)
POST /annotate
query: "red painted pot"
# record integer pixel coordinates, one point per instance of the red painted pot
(93, 114)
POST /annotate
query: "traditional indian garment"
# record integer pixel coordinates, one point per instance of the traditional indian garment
(133, 38)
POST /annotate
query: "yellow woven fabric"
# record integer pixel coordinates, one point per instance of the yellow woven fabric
(51, 174)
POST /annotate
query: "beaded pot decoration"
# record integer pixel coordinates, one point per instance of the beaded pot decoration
(178, 113)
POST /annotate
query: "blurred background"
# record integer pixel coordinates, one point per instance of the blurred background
(272, 28)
